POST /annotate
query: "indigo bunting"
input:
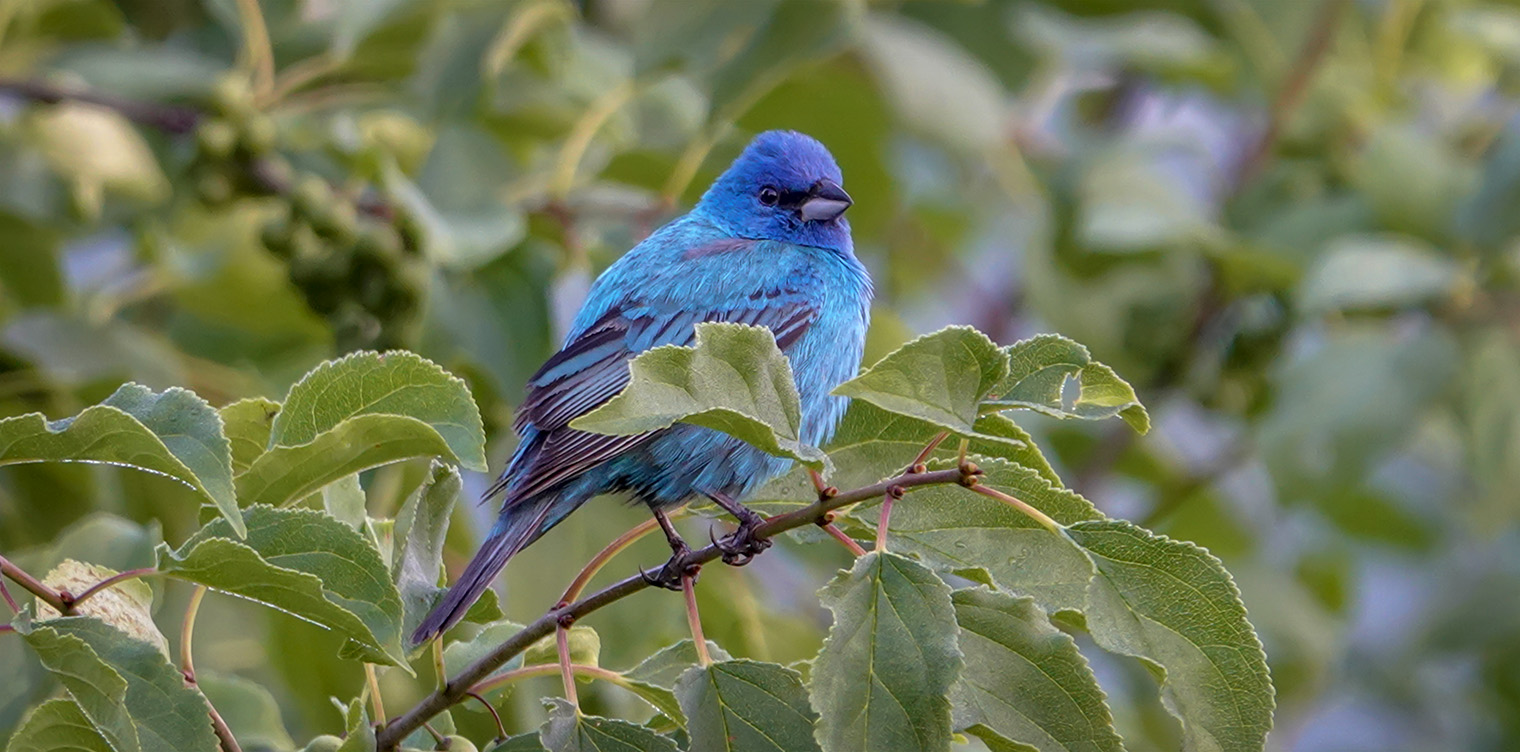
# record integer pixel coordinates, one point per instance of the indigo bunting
(767, 245)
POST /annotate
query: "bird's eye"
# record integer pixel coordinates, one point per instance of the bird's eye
(769, 196)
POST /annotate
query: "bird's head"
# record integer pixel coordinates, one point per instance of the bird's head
(785, 187)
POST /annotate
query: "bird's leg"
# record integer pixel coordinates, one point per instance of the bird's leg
(669, 576)
(742, 545)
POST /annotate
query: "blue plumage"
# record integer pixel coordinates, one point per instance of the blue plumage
(767, 245)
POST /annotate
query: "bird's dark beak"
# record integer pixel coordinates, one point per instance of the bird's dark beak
(825, 201)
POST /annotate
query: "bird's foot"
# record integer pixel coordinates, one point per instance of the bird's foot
(741, 546)
(670, 575)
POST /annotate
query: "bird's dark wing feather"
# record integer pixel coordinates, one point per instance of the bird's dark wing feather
(593, 367)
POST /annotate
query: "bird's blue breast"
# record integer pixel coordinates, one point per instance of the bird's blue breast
(692, 265)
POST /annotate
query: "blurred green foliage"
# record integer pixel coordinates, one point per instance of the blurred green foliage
(1291, 226)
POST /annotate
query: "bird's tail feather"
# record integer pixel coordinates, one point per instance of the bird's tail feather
(512, 533)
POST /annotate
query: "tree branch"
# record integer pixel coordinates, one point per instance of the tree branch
(89, 592)
(459, 687)
(20, 577)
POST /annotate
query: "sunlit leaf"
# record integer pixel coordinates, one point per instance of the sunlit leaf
(127, 605)
(290, 473)
(734, 380)
(247, 423)
(1039, 369)
(172, 433)
(392, 384)
(941, 378)
(417, 548)
(305, 563)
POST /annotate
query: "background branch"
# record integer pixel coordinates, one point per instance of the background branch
(170, 118)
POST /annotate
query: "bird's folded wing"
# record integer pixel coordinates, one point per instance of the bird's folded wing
(593, 367)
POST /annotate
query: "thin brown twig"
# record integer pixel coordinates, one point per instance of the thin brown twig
(694, 619)
(567, 674)
(224, 736)
(120, 577)
(165, 117)
(501, 730)
(33, 585)
(605, 555)
(4, 628)
(837, 534)
(1294, 87)
(187, 632)
(9, 601)
(376, 701)
(459, 687)
(544, 669)
(889, 498)
(1019, 504)
(923, 454)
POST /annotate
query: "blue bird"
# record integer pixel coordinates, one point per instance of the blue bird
(767, 245)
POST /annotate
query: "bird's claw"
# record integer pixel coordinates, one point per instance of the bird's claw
(741, 546)
(669, 576)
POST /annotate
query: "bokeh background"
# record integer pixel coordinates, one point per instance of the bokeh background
(1291, 224)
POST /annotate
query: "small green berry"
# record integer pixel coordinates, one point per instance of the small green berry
(216, 138)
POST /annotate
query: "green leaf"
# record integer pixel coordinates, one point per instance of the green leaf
(1173, 604)
(655, 676)
(417, 544)
(584, 643)
(665, 667)
(173, 433)
(734, 380)
(127, 605)
(746, 706)
(58, 725)
(305, 563)
(521, 743)
(927, 74)
(248, 708)
(1376, 273)
(356, 19)
(285, 474)
(881, 678)
(569, 731)
(872, 444)
(99, 689)
(941, 378)
(654, 679)
(393, 383)
(462, 653)
(1024, 679)
(796, 32)
(954, 530)
(166, 713)
(1039, 368)
(247, 424)
(344, 500)
(1167, 602)
(360, 736)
